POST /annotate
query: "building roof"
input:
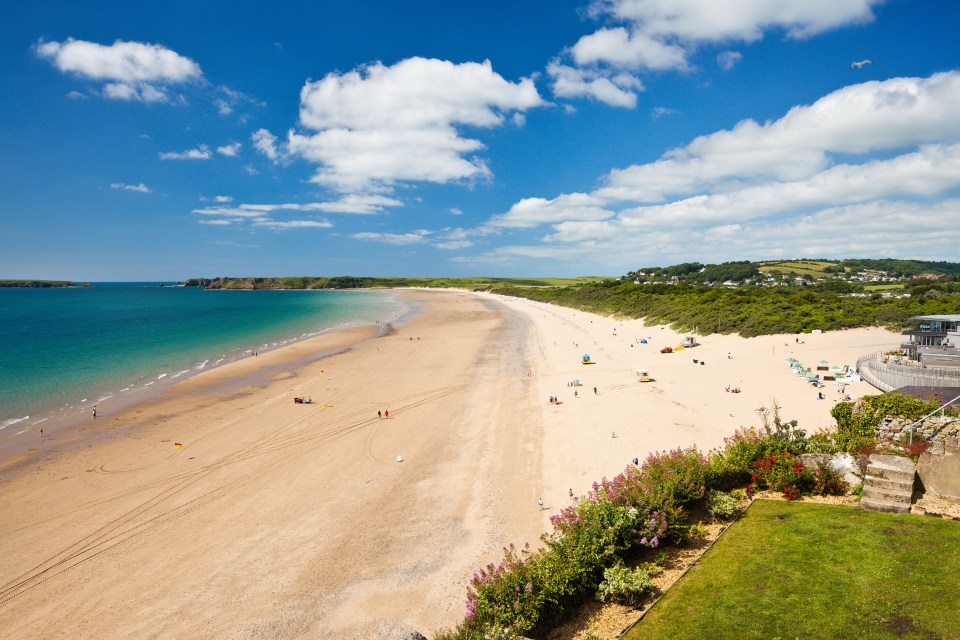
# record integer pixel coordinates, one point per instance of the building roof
(932, 394)
(940, 318)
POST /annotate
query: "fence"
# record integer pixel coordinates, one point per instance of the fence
(888, 376)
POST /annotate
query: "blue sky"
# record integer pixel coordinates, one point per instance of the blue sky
(143, 141)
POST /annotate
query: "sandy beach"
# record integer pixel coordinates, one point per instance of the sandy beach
(275, 519)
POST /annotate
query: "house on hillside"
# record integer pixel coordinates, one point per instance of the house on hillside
(934, 340)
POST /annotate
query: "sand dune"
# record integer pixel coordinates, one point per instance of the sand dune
(276, 519)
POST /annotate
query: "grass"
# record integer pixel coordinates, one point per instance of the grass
(800, 267)
(795, 570)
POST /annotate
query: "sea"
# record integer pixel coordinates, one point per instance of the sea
(63, 350)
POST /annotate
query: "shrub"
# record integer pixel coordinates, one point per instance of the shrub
(827, 481)
(624, 585)
(783, 472)
(916, 448)
(721, 505)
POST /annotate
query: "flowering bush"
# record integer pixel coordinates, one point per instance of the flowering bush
(827, 481)
(782, 472)
(527, 588)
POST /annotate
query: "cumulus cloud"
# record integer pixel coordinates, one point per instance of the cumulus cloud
(377, 126)
(839, 177)
(202, 152)
(230, 150)
(222, 199)
(573, 82)
(661, 36)
(128, 70)
(140, 188)
(266, 143)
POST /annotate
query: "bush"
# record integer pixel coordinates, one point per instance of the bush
(721, 505)
(783, 472)
(624, 585)
(827, 481)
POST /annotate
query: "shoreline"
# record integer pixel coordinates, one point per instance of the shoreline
(148, 387)
(322, 520)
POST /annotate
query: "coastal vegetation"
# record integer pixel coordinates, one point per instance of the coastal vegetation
(748, 311)
(748, 298)
(603, 544)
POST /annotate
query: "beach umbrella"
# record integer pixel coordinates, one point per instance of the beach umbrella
(824, 362)
(811, 376)
(835, 367)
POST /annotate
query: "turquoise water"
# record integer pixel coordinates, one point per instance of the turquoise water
(66, 349)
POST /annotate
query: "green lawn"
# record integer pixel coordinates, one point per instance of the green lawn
(796, 570)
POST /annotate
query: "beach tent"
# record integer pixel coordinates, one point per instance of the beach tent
(643, 341)
(586, 358)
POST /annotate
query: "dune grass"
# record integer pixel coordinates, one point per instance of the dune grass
(795, 570)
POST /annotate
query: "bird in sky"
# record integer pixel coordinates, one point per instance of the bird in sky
(859, 65)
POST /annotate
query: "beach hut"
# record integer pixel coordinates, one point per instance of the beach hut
(643, 375)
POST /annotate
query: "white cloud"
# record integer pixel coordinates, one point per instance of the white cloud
(415, 237)
(76, 95)
(573, 82)
(735, 20)
(846, 176)
(266, 143)
(217, 222)
(129, 70)
(659, 36)
(222, 199)
(140, 188)
(621, 48)
(857, 119)
(456, 211)
(659, 112)
(728, 59)
(277, 225)
(374, 127)
(230, 150)
(200, 153)
(532, 212)
(350, 204)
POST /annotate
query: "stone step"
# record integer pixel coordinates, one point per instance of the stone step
(886, 483)
(888, 495)
(889, 472)
(874, 505)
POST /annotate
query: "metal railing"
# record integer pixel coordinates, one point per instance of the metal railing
(888, 376)
(940, 410)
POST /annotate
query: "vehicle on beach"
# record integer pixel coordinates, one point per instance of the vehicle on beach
(643, 375)
(586, 359)
(666, 350)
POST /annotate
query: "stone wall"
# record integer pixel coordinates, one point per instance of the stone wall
(939, 466)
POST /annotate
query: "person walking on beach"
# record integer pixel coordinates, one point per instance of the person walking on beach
(386, 413)
(379, 415)
(540, 503)
(94, 411)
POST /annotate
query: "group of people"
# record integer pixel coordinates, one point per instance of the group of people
(383, 414)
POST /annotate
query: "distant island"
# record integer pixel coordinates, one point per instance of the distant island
(38, 284)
